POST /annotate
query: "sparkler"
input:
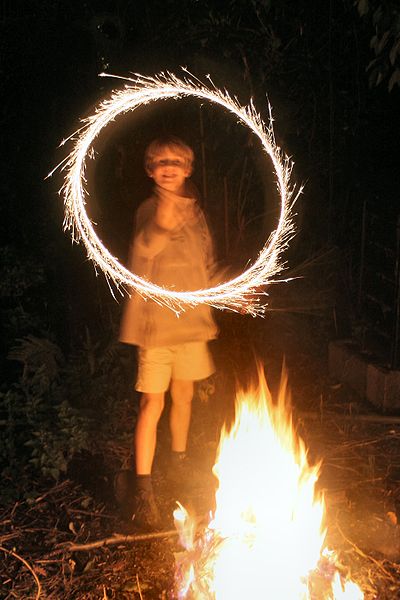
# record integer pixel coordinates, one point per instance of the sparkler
(238, 294)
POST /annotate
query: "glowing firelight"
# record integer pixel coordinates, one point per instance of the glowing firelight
(266, 537)
(242, 292)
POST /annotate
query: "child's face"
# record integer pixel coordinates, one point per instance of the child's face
(169, 171)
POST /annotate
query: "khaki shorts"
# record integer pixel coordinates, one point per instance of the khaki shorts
(157, 366)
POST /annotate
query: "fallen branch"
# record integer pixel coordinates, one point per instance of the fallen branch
(389, 419)
(138, 586)
(117, 538)
(89, 513)
(28, 566)
(376, 562)
(8, 536)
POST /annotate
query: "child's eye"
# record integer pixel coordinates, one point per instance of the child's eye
(170, 163)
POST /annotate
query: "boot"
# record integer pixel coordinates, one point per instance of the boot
(124, 492)
(146, 515)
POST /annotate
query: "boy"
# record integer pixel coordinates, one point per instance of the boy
(171, 248)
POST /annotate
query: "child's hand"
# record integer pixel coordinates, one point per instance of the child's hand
(173, 213)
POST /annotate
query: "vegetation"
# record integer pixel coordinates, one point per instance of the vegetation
(384, 19)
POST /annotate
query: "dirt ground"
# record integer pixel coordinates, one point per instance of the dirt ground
(70, 543)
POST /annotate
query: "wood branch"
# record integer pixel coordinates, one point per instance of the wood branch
(28, 566)
(371, 418)
(117, 538)
(89, 513)
(379, 564)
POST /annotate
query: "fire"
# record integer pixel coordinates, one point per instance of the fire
(266, 537)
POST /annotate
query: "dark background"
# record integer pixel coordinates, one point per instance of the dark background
(335, 97)
(330, 71)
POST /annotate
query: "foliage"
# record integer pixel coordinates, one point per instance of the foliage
(41, 431)
(61, 407)
(54, 406)
(384, 17)
(16, 276)
(19, 281)
(98, 378)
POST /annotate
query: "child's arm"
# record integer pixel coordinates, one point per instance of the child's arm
(173, 212)
(140, 248)
(150, 240)
(154, 224)
(170, 215)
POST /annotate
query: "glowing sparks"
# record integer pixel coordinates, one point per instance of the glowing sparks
(267, 535)
(236, 294)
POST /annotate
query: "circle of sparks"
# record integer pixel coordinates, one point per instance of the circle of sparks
(241, 293)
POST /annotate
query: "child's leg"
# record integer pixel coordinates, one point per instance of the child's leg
(192, 361)
(181, 409)
(146, 514)
(151, 407)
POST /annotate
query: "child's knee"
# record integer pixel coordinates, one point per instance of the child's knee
(152, 404)
(181, 391)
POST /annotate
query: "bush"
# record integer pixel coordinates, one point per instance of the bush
(40, 430)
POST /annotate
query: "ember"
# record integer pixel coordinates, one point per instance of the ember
(266, 538)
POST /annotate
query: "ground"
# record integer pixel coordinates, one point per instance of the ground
(43, 542)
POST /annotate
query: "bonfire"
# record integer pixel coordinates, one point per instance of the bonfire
(266, 537)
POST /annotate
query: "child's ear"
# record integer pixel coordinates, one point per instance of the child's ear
(188, 171)
(149, 172)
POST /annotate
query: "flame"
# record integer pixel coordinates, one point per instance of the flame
(266, 538)
(347, 590)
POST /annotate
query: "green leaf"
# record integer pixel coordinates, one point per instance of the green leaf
(55, 473)
(382, 42)
(374, 42)
(363, 7)
(394, 79)
(395, 50)
(89, 565)
(377, 16)
(86, 502)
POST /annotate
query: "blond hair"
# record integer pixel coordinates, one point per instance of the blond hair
(174, 144)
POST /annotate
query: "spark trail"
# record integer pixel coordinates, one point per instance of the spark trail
(238, 294)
